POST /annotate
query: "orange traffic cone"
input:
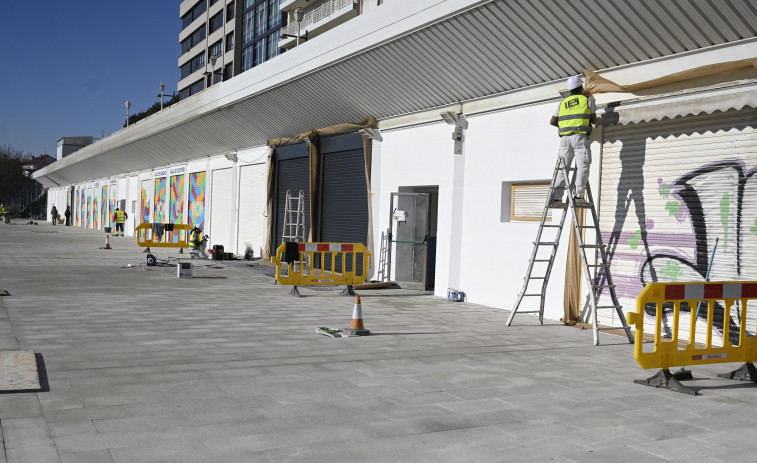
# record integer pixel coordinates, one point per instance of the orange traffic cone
(356, 327)
(107, 242)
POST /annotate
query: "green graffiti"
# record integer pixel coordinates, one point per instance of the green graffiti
(664, 191)
(754, 229)
(634, 242)
(725, 212)
(673, 207)
(671, 271)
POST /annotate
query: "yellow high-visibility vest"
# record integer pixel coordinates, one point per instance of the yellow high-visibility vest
(119, 216)
(574, 115)
(194, 239)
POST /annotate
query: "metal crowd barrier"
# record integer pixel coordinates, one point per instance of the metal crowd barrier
(322, 264)
(711, 303)
(176, 238)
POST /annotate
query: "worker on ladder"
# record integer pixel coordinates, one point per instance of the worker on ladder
(574, 118)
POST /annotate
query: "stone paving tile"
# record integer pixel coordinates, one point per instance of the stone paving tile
(233, 372)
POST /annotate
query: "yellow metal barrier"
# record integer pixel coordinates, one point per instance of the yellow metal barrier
(711, 304)
(306, 264)
(146, 237)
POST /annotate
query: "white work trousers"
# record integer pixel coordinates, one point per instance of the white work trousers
(576, 145)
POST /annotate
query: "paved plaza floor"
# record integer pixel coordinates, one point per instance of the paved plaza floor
(225, 367)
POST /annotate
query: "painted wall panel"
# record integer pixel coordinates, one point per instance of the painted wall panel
(252, 208)
(196, 206)
(669, 188)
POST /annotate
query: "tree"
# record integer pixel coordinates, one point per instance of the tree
(151, 110)
(13, 176)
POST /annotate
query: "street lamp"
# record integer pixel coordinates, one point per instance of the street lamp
(128, 105)
(162, 88)
(213, 60)
(299, 13)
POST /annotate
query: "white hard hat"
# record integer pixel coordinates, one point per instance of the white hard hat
(574, 82)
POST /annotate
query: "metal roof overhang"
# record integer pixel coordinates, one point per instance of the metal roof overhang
(403, 58)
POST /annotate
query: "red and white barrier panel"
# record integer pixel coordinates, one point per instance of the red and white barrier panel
(699, 291)
(325, 247)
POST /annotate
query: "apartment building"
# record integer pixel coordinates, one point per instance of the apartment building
(220, 39)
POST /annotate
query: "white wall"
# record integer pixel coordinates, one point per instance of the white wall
(476, 252)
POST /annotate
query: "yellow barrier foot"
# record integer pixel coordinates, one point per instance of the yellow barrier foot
(294, 292)
(349, 291)
(667, 380)
(747, 372)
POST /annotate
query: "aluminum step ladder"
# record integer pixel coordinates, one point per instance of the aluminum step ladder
(600, 280)
(294, 218)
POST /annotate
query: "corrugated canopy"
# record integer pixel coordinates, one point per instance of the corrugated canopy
(405, 57)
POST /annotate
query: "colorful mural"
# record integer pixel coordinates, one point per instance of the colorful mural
(196, 208)
(112, 203)
(176, 214)
(95, 211)
(145, 203)
(88, 223)
(160, 200)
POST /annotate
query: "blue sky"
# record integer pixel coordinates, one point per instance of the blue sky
(68, 66)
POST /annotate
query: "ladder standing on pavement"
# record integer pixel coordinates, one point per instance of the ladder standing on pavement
(294, 218)
(599, 281)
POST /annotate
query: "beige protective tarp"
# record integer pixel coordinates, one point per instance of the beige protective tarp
(312, 138)
(573, 277)
(598, 84)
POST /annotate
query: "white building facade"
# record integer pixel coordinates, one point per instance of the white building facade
(674, 156)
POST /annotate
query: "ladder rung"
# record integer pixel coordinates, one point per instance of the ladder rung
(552, 226)
(598, 265)
(526, 295)
(545, 243)
(536, 278)
(542, 260)
(602, 286)
(609, 307)
(529, 311)
(608, 328)
(594, 246)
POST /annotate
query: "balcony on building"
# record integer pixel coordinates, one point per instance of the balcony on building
(316, 21)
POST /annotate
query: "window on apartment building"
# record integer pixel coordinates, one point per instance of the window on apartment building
(524, 202)
(196, 38)
(247, 55)
(212, 2)
(216, 22)
(198, 62)
(216, 50)
(228, 71)
(229, 11)
(273, 44)
(230, 41)
(274, 13)
(248, 3)
(193, 14)
(185, 70)
(261, 20)
(260, 50)
(248, 22)
(197, 86)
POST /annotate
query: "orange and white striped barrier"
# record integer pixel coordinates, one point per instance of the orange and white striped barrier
(107, 242)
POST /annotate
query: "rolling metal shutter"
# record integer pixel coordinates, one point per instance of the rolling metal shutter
(221, 214)
(344, 200)
(680, 182)
(252, 207)
(292, 173)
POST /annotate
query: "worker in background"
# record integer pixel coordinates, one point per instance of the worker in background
(574, 119)
(68, 215)
(54, 214)
(2, 213)
(197, 244)
(119, 217)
